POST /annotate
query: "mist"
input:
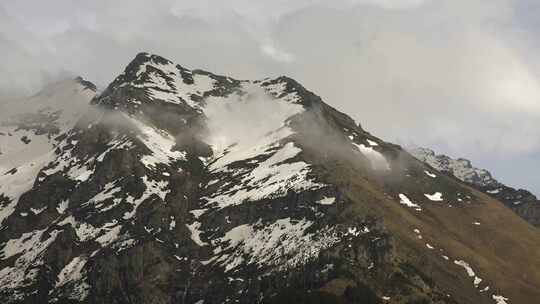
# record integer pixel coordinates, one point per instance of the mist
(244, 119)
(461, 77)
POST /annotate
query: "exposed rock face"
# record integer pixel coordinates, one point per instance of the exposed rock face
(460, 168)
(182, 186)
(521, 201)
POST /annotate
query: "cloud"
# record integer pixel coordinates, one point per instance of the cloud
(276, 54)
(228, 118)
(461, 76)
(390, 4)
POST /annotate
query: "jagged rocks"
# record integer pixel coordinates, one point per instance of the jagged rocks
(522, 202)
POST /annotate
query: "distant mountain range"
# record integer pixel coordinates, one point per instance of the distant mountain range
(177, 185)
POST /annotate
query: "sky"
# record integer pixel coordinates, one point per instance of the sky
(459, 76)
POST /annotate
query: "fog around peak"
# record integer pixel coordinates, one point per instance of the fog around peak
(461, 77)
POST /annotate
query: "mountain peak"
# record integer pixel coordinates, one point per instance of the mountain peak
(145, 56)
(191, 187)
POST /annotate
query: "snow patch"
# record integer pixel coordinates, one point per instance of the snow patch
(284, 242)
(29, 246)
(326, 201)
(470, 271)
(272, 178)
(37, 211)
(430, 174)
(196, 233)
(159, 142)
(372, 143)
(172, 224)
(499, 299)
(404, 200)
(71, 272)
(62, 206)
(14, 185)
(436, 197)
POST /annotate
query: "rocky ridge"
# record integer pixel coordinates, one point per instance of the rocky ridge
(521, 201)
(154, 196)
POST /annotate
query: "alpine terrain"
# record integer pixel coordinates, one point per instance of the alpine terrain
(175, 185)
(521, 201)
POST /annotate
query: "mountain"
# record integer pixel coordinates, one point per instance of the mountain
(30, 128)
(182, 186)
(521, 201)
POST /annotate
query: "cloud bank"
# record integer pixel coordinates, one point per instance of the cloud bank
(458, 76)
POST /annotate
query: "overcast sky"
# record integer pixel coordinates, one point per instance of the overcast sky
(459, 76)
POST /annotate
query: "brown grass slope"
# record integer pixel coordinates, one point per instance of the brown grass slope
(503, 250)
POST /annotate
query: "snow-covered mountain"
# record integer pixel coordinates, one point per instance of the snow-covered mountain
(182, 186)
(521, 201)
(31, 128)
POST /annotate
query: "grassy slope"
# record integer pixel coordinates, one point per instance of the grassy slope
(503, 250)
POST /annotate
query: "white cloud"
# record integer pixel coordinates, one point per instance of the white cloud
(269, 49)
(458, 75)
(229, 117)
(390, 4)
